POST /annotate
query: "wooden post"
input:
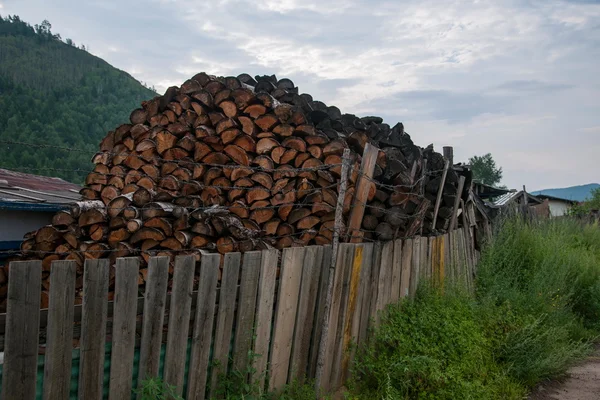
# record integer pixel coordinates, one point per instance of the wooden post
(422, 193)
(449, 154)
(363, 184)
(439, 195)
(334, 253)
(461, 184)
(524, 208)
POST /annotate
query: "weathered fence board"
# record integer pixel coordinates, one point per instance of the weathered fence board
(179, 321)
(203, 326)
(396, 271)
(93, 329)
(424, 269)
(306, 312)
(320, 310)
(352, 317)
(336, 370)
(57, 367)
(375, 282)
(244, 328)
(415, 264)
(384, 286)
(285, 315)
(367, 290)
(345, 257)
(123, 333)
(21, 348)
(225, 316)
(264, 313)
(406, 260)
(153, 317)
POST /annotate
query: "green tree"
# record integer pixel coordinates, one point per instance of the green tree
(485, 170)
(593, 203)
(57, 102)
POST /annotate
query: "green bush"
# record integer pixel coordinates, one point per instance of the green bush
(534, 312)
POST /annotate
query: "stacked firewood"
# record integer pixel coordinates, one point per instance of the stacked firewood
(239, 164)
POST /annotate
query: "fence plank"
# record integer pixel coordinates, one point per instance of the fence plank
(320, 310)
(396, 272)
(93, 328)
(423, 268)
(451, 267)
(340, 343)
(434, 260)
(22, 324)
(225, 317)
(264, 313)
(415, 274)
(446, 253)
(373, 292)
(406, 267)
(203, 326)
(285, 315)
(345, 256)
(153, 317)
(59, 345)
(366, 293)
(179, 321)
(123, 332)
(311, 270)
(246, 310)
(462, 259)
(384, 287)
(353, 311)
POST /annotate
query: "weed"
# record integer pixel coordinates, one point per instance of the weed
(157, 389)
(535, 311)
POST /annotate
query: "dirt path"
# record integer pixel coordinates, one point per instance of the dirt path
(581, 383)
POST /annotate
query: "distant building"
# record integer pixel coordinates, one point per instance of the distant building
(28, 202)
(558, 206)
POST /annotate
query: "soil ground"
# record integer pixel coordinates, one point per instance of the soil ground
(582, 382)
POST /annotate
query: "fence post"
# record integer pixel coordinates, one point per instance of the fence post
(361, 194)
(334, 253)
(461, 185)
(439, 195)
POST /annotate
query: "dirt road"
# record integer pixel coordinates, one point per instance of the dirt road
(581, 383)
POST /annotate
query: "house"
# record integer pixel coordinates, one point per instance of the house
(28, 202)
(518, 201)
(558, 206)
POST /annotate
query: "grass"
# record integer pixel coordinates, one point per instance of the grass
(534, 312)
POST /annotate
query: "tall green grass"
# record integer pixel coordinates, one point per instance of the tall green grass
(535, 311)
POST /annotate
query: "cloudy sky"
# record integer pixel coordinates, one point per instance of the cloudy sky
(519, 79)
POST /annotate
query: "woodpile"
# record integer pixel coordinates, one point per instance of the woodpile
(238, 164)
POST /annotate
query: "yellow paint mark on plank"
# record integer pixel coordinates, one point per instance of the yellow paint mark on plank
(352, 300)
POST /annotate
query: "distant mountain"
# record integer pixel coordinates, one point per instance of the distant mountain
(578, 193)
(54, 92)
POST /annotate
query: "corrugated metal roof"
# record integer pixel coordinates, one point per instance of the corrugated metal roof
(506, 198)
(19, 187)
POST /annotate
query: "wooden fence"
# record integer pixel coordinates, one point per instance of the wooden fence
(260, 308)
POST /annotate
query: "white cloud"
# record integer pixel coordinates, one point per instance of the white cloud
(514, 78)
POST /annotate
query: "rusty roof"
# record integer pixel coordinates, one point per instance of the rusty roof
(18, 187)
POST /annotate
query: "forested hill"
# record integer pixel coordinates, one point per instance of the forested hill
(52, 92)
